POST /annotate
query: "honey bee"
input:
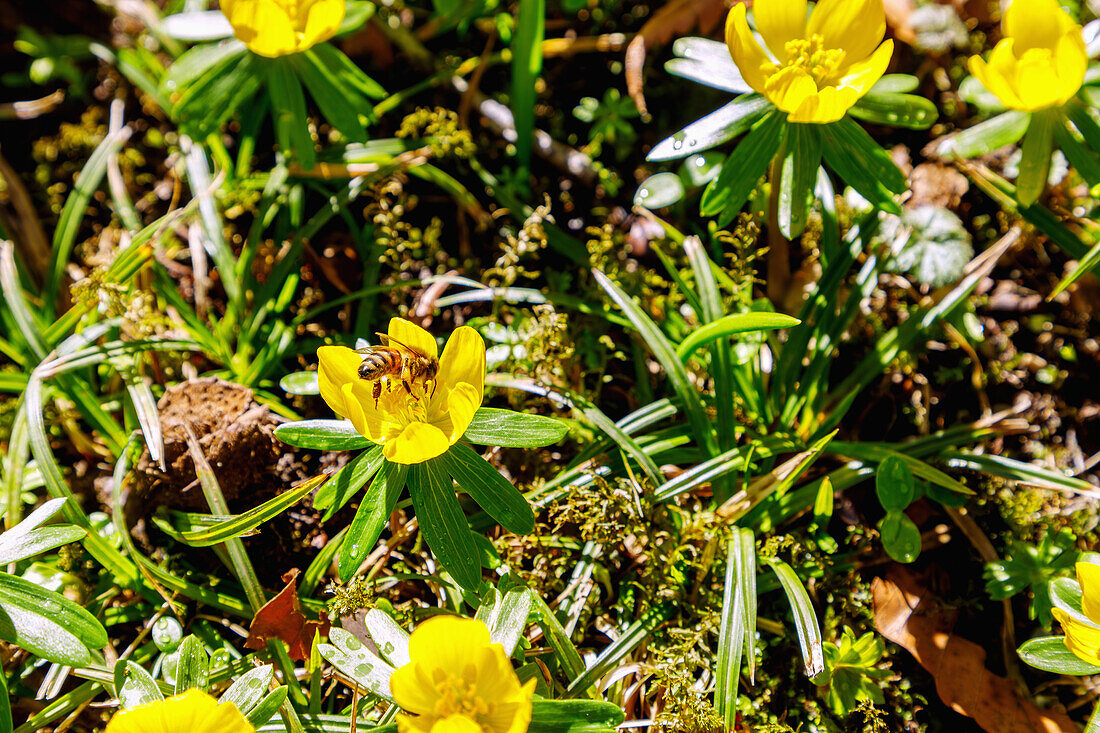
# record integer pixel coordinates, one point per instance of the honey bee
(393, 359)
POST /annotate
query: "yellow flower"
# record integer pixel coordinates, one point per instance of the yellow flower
(194, 711)
(1041, 60)
(458, 681)
(280, 27)
(816, 69)
(1083, 636)
(415, 427)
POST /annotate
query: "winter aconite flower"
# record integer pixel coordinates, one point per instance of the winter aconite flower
(194, 711)
(458, 681)
(1041, 60)
(280, 27)
(414, 420)
(1083, 632)
(817, 69)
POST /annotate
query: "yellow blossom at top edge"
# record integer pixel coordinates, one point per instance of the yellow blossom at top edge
(416, 427)
(193, 711)
(1041, 60)
(279, 27)
(458, 681)
(813, 69)
(1083, 635)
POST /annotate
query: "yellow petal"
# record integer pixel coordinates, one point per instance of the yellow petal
(1070, 63)
(364, 413)
(863, 75)
(1036, 24)
(780, 21)
(1036, 83)
(462, 403)
(417, 443)
(413, 724)
(994, 80)
(521, 712)
(193, 711)
(456, 724)
(789, 87)
(463, 360)
(413, 689)
(856, 26)
(412, 335)
(1088, 575)
(323, 19)
(262, 25)
(828, 105)
(446, 642)
(746, 52)
(1081, 639)
(337, 366)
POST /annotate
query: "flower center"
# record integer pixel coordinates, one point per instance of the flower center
(458, 695)
(810, 56)
(401, 406)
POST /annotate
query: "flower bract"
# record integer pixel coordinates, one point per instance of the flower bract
(413, 420)
(458, 681)
(194, 711)
(280, 27)
(1083, 635)
(1041, 60)
(813, 69)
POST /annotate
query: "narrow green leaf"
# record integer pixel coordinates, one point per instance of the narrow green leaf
(358, 663)
(628, 640)
(300, 383)
(805, 619)
(659, 190)
(732, 325)
(863, 164)
(347, 480)
(745, 166)
(526, 66)
(510, 429)
(240, 524)
(442, 522)
(1035, 153)
(370, 519)
(330, 94)
(288, 109)
(47, 624)
(574, 716)
(895, 110)
(1050, 654)
(321, 435)
(248, 689)
(720, 126)
(985, 137)
(137, 686)
(701, 426)
(193, 665)
(798, 177)
(495, 494)
(267, 707)
(507, 616)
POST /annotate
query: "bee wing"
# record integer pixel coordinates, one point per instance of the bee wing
(390, 340)
(367, 350)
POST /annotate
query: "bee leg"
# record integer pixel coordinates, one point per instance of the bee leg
(408, 388)
(377, 392)
(434, 383)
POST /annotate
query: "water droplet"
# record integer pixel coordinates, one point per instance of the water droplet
(700, 161)
(677, 143)
(643, 193)
(693, 142)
